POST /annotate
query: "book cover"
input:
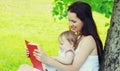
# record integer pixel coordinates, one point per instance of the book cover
(36, 64)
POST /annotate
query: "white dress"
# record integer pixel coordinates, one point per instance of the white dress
(90, 64)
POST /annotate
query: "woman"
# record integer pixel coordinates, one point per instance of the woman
(89, 48)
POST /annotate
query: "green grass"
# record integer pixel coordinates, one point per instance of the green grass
(32, 20)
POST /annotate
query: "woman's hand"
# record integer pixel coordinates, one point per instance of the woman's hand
(39, 54)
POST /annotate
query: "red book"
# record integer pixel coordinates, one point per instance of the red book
(36, 64)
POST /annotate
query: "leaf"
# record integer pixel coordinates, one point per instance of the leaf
(107, 24)
(60, 17)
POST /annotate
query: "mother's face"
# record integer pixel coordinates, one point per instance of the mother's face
(74, 22)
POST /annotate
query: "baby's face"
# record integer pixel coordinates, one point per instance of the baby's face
(64, 43)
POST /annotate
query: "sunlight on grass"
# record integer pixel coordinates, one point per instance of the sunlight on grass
(100, 23)
(32, 20)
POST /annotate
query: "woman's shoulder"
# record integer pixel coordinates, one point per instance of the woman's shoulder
(87, 41)
(88, 38)
(86, 46)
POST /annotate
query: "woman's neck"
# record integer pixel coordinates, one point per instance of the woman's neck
(80, 37)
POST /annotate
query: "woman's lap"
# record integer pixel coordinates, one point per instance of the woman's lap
(25, 67)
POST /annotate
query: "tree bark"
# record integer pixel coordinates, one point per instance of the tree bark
(111, 57)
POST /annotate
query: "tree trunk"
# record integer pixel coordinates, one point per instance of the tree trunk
(111, 58)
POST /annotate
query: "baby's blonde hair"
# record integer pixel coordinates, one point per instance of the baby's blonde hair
(70, 36)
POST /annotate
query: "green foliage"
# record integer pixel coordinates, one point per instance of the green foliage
(102, 6)
(60, 8)
(107, 7)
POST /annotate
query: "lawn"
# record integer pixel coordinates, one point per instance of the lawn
(32, 20)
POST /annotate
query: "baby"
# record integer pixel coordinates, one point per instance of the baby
(66, 54)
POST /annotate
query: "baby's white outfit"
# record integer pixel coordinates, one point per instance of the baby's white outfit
(61, 55)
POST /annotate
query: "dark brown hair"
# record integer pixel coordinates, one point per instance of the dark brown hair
(84, 13)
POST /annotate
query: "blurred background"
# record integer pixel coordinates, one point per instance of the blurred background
(40, 21)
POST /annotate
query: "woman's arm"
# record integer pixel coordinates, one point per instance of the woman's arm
(85, 48)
